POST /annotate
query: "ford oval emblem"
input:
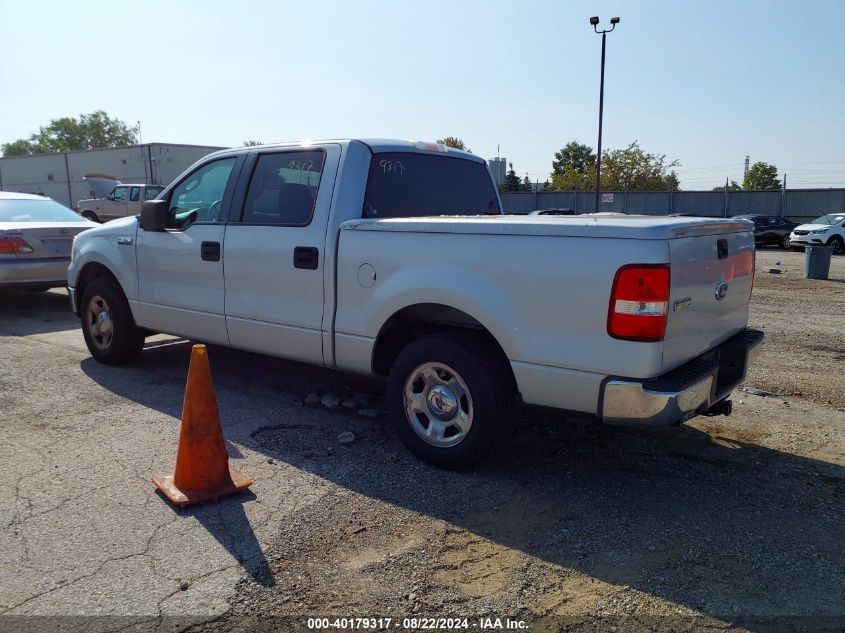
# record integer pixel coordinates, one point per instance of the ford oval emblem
(721, 290)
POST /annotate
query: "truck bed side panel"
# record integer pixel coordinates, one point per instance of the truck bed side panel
(543, 298)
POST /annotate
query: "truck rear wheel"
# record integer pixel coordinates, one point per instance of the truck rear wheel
(450, 398)
(107, 324)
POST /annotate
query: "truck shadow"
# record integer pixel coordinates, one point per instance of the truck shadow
(714, 523)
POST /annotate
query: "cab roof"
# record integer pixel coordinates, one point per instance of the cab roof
(376, 145)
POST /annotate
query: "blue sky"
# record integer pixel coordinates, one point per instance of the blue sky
(704, 82)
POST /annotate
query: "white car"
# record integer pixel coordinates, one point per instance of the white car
(826, 229)
(36, 234)
(359, 255)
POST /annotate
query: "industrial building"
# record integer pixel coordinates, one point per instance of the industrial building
(498, 169)
(61, 176)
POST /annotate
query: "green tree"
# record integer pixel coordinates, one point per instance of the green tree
(95, 130)
(576, 156)
(734, 186)
(20, 147)
(526, 184)
(630, 168)
(761, 176)
(512, 181)
(573, 167)
(454, 141)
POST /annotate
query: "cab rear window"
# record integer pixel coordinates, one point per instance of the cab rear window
(407, 185)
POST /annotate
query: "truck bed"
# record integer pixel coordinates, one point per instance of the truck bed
(641, 227)
(542, 287)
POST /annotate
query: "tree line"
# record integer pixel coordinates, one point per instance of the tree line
(573, 167)
(627, 169)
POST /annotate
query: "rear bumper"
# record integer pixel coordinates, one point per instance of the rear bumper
(684, 392)
(34, 272)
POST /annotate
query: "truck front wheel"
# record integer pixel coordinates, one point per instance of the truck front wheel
(450, 398)
(90, 215)
(107, 324)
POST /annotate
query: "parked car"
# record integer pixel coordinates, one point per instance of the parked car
(770, 230)
(35, 240)
(826, 229)
(124, 200)
(360, 255)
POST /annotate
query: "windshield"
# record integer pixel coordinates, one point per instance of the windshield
(407, 185)
(829, 218)
(26, 210)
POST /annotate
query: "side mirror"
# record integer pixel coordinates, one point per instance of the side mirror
(154, 215)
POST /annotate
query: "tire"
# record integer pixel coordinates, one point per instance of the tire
(785, 243)
(837, 245)
(90, 215)
(113, 339)
(437, 368)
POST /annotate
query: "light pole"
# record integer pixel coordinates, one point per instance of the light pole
(595, 22)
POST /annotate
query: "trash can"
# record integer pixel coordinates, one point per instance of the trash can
(817, 261)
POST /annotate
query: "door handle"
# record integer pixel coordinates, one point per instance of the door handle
(210, 251)
(307, 257)
(722, 248)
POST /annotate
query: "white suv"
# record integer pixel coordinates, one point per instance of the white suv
(826, 229)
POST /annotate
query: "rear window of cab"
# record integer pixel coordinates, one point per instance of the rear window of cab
(408, 184)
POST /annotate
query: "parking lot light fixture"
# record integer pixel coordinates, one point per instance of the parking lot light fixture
(594, 21)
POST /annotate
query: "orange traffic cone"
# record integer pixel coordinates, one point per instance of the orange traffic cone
(202, 464)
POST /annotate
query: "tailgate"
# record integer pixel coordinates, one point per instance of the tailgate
(711, 278)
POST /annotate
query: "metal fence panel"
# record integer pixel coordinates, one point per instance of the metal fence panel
(798, 204)
(706, 203)
(811, 203)
(766, 202)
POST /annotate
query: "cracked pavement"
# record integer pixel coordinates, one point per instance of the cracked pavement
(83, 530)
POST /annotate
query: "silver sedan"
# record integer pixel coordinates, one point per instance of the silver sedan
(36, 235)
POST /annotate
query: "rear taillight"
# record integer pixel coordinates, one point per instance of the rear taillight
(639, 303)
(753, 272)
(14, 246)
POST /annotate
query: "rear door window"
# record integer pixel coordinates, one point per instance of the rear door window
(406, 185)
(134, 194)
(283, 188)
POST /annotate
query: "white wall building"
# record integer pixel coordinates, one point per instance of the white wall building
(498, 168)
(61, 176)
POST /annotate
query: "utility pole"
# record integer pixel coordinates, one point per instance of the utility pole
(613, 22)
(745, 173)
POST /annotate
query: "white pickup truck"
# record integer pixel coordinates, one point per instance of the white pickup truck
(393, 258)
(122, 201)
